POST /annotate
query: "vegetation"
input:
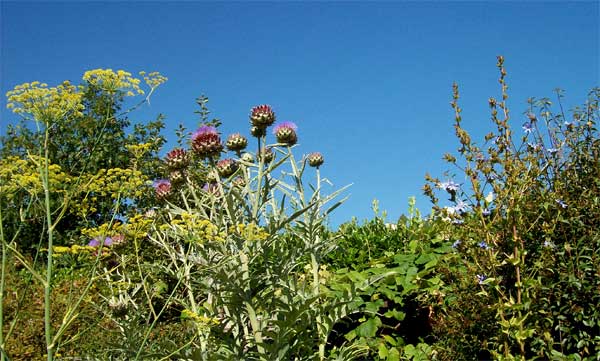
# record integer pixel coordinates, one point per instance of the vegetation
(221, 252)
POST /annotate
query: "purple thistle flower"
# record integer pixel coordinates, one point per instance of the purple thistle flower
(206, 141)
(162, 187)
(285, 133)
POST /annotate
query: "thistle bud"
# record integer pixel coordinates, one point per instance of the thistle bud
(236, 142)
(258, 132)
(315, 159)
(177, 177)
(248, 158)
(206, 142)
(262, 116)
(226, 167)
(177, 159)
(162, 188)
(267, 155)
(286, 133)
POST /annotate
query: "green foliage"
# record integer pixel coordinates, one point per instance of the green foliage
(527, 221)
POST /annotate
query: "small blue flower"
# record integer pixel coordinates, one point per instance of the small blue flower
(561, 203)
(528, 128)
(449, 186)
(483, 245)
(456, 243)
(481, 278)
(486, 212)
(548, 244)
(461, 207)
(457, 221)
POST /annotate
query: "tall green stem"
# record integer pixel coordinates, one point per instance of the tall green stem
(48, 285)
(4, 255)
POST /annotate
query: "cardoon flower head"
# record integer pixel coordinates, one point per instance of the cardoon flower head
(206, 142)
(162, 187)
(226, 167)
(258, 131)
(177, 177)
(262, 116)
(527, 127)
(315, 159)
(267, 155)
(247, 157)
(177, 159)
(286, 133)
(236, 142)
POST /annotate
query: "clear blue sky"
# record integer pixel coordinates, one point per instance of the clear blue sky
(368, 84)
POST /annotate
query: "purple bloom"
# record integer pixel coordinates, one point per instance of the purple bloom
(456, 243)
(461, 207)
(483, 245)
(204, 130)
(457, 221)
(486, 212)
(106, 241)
(527, 128)
(285, 133)
(481, 278)
(449, 186)
(561, 203)
(162, 187)
(548, 244)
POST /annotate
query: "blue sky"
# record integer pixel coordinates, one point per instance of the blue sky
(369, 84)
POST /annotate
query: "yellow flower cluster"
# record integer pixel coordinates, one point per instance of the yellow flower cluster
(117, 182)
(43, 103)
(18, 174)
(139, 150)
(136, 227)
(111, 81)
(74, 250)
(250, 232)
(201, 320)
(153, 79)
(193, 228)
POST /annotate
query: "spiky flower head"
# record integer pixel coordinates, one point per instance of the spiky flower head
(226, 167)
(267, 155)
(236, 142)
(247, 157)
(177, 159)
(206, 142)
(315, 159)
(162, 187)
(262, 116)
(177, 176)
(286, 133)
(258, 132)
